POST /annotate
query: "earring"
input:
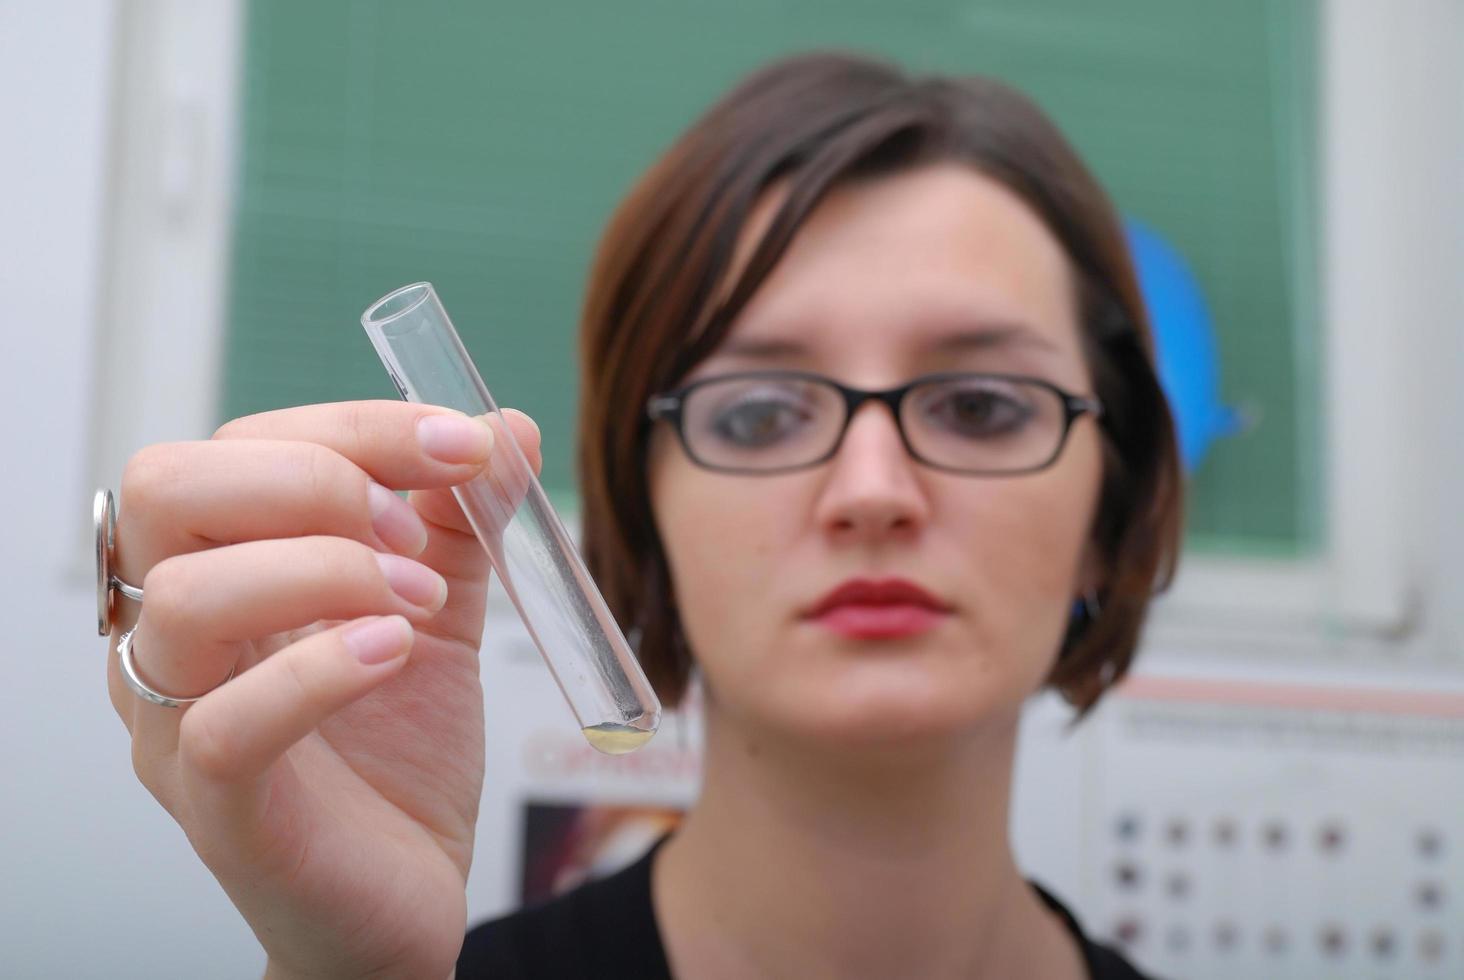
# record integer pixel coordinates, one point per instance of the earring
(1086, 608)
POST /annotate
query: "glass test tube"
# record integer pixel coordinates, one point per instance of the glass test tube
(526, 542)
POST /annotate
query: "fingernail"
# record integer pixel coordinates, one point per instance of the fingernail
(413, 581)
(537, 431)
(454, 438)
(396, 521)
(379, 640)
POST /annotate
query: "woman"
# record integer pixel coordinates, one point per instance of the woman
(870, 437)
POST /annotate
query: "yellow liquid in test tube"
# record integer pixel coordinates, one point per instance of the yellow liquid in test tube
(616, 739)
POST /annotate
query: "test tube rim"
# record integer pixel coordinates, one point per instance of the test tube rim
(372, 318)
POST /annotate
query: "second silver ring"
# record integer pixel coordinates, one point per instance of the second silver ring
(140, 688)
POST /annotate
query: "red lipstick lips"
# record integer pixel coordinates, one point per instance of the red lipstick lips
(874, 610)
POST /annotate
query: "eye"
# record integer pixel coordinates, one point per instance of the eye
(762, 418)
(978, 409)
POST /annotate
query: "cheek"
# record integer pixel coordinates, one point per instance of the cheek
(1035, 550)
(720, 536)
(1030, 539)
(719, 553)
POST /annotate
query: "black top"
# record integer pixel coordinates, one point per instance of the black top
(606, 930)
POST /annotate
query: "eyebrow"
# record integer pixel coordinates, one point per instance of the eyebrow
(990, 337)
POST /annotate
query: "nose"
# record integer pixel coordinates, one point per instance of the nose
(872, 489)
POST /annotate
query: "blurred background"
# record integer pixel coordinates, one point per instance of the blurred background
(201, 197)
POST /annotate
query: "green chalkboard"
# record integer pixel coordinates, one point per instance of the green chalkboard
(482, 146)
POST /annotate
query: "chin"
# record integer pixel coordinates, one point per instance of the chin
(892, 703)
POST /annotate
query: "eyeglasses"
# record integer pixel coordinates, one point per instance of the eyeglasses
(767, 422)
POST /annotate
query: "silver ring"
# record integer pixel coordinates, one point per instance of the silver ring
(104, 514)
(129, 674)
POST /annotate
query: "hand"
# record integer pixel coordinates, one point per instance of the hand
(332, 785)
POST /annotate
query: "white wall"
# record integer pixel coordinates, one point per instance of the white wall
(112, 238)
(95, 881)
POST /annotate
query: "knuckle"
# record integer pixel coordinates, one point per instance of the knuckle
(241, 427)
(296, 674)
(205, 747)
(359, 423)
(122, 700)
(331, 557)
(360, 567)
(168, 585)
(333, 561)
(320, 475)
(146, 766)
(356, 561)
(149, 471)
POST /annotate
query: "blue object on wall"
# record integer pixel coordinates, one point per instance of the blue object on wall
(1189, 364)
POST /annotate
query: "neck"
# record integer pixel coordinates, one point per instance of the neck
(809, 860)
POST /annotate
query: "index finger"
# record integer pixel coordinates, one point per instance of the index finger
(402, 445)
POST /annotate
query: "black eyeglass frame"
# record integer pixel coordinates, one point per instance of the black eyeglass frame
(668, 405)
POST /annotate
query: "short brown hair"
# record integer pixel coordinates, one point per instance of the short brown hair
(809, 122)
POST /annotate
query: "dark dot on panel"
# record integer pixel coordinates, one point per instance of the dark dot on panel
(1176, 832)
(1275, 836)
(1225, 832)
(1429, 894)
(1333, 940)
(1127, 827)
(1177, 885)
(1129, 930)
(1331, 838)
(1227, 936)
(1430, 843)
(1384, 943)
(1127, 875)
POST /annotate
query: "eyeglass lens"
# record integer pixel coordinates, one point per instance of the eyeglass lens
(978, 423)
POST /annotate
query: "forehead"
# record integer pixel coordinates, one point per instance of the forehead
(940, 267)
